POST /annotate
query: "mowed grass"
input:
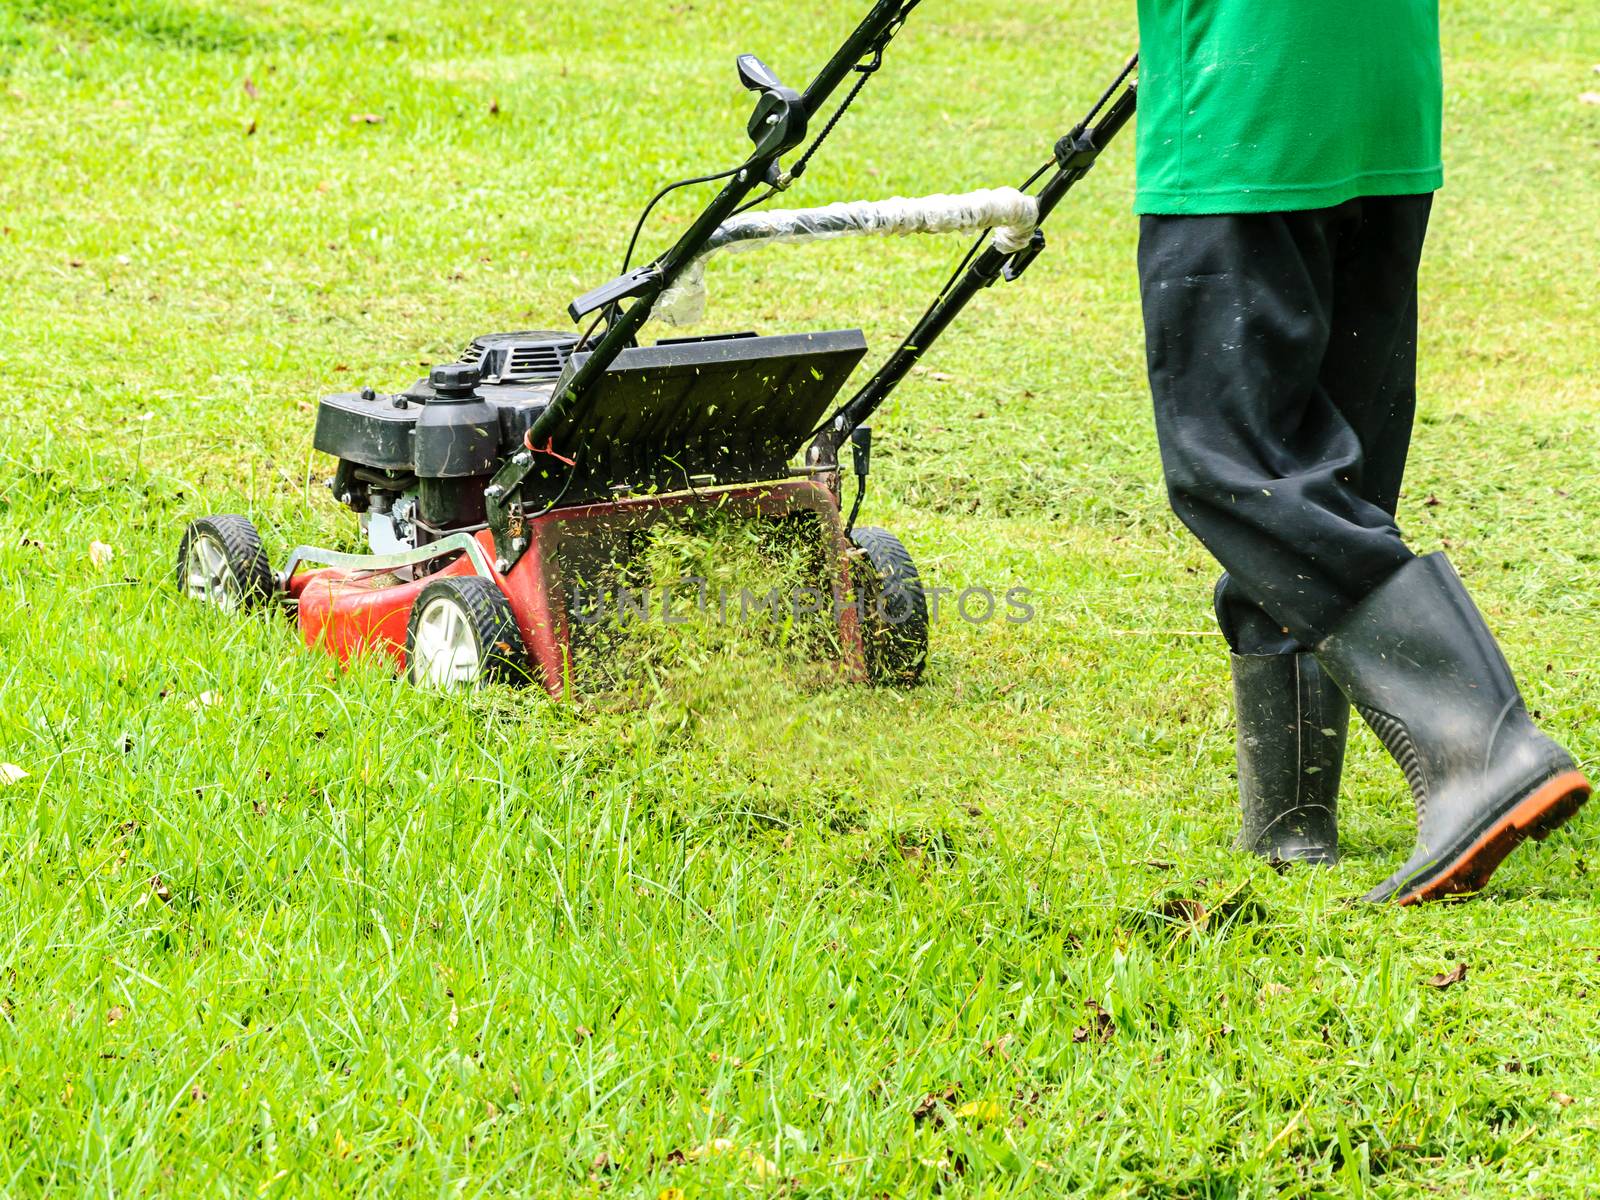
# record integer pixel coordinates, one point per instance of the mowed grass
(272, 928)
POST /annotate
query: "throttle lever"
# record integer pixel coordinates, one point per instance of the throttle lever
(779, 123)
(756, 75)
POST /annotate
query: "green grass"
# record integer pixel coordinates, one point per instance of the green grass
(749, 937)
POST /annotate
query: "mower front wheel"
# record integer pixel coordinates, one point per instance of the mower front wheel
(221, 562)
(892, 607)
(463, 634)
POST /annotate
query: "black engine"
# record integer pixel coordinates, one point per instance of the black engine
(415, 463)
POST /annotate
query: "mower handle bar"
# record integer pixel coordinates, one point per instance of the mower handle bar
(777, 126)
(1011, 214)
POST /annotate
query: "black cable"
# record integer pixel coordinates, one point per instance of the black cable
(749, 204)
(1127, 69)
(633, 242)
(800, 164)
(1037, 175)
(855, 509)
(583, 341)
(866, 73)
(977, 246)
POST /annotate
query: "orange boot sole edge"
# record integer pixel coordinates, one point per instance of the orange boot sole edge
(1537, 815)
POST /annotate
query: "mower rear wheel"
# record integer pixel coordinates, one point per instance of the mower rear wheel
(892, 606)
(221, 561)
(463, 634)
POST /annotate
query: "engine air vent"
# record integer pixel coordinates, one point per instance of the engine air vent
(522, 357)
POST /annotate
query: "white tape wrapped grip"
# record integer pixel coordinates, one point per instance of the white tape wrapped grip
(1012, 215)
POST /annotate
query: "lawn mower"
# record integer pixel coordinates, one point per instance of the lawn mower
(541, 458)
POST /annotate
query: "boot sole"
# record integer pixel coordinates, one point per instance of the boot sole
(1537, 815)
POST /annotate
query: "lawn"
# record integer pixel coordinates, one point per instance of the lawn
(272, 928)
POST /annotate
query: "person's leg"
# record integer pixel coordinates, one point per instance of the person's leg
(1292, 718)
(1291, 721)
(1239, 318)
(1415, 656)
(1368, 370)
(1262, 463)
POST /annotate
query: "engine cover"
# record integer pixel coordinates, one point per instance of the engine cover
(523, 357)
(517, 374)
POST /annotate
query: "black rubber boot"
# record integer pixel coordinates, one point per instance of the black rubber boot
(1292, 722)
(1422, 668)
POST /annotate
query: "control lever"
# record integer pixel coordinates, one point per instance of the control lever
(756, 75)
(635, 283)
(778, 124)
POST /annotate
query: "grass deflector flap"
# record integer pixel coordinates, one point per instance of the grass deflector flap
(735, 408)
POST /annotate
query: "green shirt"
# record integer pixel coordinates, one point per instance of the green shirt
(1272, 105)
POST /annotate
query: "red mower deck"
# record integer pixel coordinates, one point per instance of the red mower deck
(353, 612)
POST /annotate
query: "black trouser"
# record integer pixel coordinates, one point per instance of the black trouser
(1282, 352)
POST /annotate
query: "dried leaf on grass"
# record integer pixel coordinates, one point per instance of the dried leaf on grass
(157, 889)
(1101, 1028)
(1182, 908)
(929, 1105)
(1192, 915)
(1447, 979)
